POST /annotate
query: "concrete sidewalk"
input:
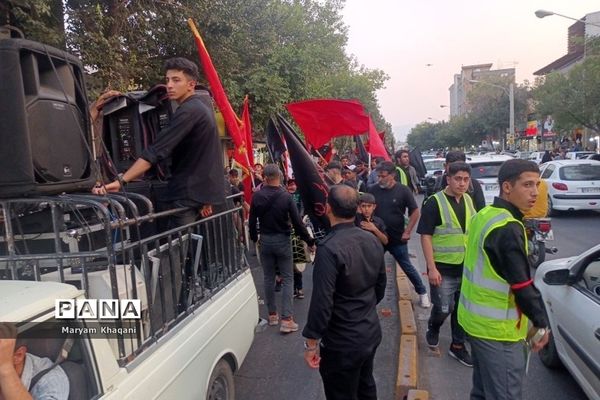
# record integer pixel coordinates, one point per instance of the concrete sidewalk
(275, 369)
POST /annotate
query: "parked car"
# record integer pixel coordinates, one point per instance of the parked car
(572, 185)
(435, 168)
(594, 156)
(485, 170)
(536, 156)
(578, 155)
(570, 289)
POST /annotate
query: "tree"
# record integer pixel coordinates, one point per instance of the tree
(573, 99)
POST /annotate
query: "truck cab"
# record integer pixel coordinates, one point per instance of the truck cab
(198, 305)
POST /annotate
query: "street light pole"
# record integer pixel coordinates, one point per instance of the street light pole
(546, 13)
(511, 100)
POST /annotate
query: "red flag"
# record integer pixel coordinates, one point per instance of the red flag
(323, 119)
(247, 128)
(376, 146)
(233, 123)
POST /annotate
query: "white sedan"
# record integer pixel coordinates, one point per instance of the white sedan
(485, 170)
(572, 185)
(570, 288)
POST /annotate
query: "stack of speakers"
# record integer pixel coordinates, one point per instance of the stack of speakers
(45, 133)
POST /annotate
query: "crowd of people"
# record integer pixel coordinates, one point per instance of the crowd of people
(485, 287)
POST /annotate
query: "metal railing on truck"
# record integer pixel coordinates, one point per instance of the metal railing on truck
(118, 247)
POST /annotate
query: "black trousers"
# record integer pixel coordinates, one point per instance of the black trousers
(348, 375)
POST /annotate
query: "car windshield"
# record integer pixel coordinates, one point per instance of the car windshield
(485, 170)
(582, 172)
(434, 164)
(580, 156)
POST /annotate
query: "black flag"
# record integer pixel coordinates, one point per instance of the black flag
(360, 147)
(309, 179)
(417, 162)
(275, 144)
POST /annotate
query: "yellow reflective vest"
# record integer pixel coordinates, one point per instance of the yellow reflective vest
(487, 307)
(449, 240)
(403, 176)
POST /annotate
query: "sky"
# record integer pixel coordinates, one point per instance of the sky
(401, 37)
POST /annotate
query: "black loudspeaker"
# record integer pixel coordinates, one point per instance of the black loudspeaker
(131, 123)
(44, 121)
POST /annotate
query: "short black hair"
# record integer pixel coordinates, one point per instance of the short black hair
(182, 64)
(333, 165)
(454, 156)
(458, 166)
(234, 173)
(400, 152)
(386, 166)
(367, 198)
(511, 170)
(343, 201)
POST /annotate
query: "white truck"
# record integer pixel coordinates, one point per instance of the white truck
(198, 301)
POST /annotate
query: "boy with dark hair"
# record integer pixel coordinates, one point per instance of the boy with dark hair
(192, 142)
(474, 189)
(497, 293)
(365, 219)
(444, 222)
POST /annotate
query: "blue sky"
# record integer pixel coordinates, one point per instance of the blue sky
(401, 37)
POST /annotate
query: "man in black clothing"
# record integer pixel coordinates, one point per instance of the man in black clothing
(333, 174)
(348, 282)
(273, 207)
(192, 141)
(444, 221)
(393, 199)
(474, 189)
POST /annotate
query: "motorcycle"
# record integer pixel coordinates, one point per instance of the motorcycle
(539, 231)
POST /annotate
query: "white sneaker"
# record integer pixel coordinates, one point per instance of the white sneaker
(424, 300)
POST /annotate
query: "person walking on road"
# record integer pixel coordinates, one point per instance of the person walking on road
(406, 173)
(497, 294)
(474, 190)
(343, 331)
(392, 200)
(273, 207)
(445, 219)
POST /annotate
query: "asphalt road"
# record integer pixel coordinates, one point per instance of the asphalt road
(446, 379)
(275, 369)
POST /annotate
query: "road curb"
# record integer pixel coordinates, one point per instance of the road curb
(407, 380)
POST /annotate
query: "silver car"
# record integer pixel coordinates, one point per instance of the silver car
(570, 289)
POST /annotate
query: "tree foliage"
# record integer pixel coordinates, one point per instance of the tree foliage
(277, 51)
(573, 99)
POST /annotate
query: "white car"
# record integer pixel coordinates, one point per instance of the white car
(570, 289)
(536, 156)
(572, 185)
(578, 155)
(434, 166)
(485, 170)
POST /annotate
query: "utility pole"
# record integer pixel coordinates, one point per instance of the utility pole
(511, 98)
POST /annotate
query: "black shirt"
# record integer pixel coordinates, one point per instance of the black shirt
(474, 191)
(431, 217)
(192, 141)
(391, 208)
(505, 247)
(274, 207)
(378, 222)
(348, 281)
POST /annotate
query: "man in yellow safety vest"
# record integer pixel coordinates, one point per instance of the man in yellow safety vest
(497, 294)
(445, 220)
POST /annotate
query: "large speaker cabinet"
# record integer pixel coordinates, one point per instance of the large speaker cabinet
(44, 121)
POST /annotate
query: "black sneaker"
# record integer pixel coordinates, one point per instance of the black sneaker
(432, 337)
(461, 355)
